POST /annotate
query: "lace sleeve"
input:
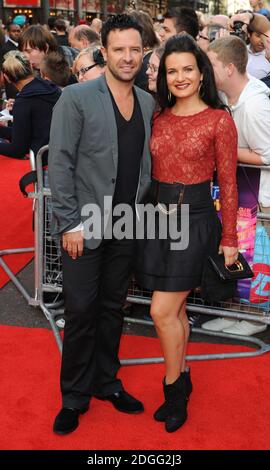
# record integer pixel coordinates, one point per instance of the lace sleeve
(226, 164)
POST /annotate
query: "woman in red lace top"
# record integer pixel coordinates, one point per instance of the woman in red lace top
(192, 135)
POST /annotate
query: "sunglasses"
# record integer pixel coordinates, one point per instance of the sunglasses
(83, 70)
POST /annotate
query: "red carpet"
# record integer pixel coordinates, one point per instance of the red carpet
(15, 215)
(229, 408)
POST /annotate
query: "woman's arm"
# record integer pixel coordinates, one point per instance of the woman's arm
(21, 132)
(226, 164)
(249, 156)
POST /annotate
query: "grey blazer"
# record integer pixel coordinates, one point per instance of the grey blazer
(83, 153)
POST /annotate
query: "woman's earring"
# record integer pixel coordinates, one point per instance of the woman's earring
(200, 89)
(169, 96)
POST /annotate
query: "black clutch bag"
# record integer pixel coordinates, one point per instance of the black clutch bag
(219, 282)
(239, 270)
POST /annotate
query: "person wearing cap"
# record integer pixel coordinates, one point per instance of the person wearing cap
(20, 20)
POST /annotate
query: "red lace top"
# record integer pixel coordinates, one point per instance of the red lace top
(187, 149)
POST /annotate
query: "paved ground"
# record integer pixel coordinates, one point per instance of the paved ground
(15, 311)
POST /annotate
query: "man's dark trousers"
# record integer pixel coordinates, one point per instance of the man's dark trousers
(95, 287)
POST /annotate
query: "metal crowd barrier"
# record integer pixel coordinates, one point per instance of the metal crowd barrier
(48, 278)
(15, 251)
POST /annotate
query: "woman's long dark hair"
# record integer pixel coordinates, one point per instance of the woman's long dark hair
(186, 43)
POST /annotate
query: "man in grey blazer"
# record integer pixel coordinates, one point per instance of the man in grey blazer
(98, 149)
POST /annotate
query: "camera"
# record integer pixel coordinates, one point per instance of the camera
(213, 29)
(238, 31)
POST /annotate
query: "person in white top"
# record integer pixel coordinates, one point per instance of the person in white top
(248, 99)
(258, 66)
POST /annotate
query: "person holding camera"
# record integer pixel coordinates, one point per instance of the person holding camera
(218, 27)
(256, 22)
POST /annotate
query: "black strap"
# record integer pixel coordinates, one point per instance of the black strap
(28, 178)
(31, 176)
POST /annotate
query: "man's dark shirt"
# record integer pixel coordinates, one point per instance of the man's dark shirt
(131, 135)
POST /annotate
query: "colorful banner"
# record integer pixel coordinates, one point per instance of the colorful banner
(248, 181)
(62, 4)
(21, 4)
(91, 6)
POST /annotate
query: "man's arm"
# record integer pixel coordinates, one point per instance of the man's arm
(72, 241)
(260, 24)
(20, 142)
(256, 129)
(249, 156)
(65, 134)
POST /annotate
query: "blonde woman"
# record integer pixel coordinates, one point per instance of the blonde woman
(259, 6)
(32, 110)
(89, 64)
(152, 68)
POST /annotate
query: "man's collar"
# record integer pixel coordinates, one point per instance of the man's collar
(13, 42)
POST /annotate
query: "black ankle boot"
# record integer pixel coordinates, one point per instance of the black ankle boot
(162, 411)
(176, 398)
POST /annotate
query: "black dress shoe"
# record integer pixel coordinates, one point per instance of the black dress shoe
(67, 420)
(124, 402)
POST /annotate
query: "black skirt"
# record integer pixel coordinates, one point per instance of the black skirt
(170, 264)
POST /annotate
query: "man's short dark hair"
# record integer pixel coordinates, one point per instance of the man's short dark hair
(118, 22)
(37, 37)
(55, 67)
(185, 19)
(51, 22)
(60, 25)
(9, 26)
